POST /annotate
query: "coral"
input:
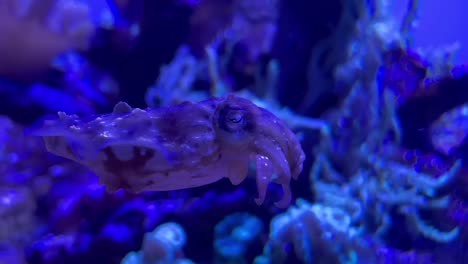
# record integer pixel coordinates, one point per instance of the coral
(12, 255)
(329, 53)
(318, 234)
(86, 88)
(250, 24)
(21, 157)
(175, 81)
(53, 26)
(389, 255)
(254, 26)
(176, 84)
(17, 219)
(403, 72)
(372, 198)
(234, 235)
(356, 176)
(163, 245)
(450, 130)
(355, 166)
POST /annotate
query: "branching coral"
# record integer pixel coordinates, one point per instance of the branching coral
(250, 24)
(372, 194)
(176, 84)
(177, 80)
(318, 234)
(253, 25)
(356, 173)
(362, 140)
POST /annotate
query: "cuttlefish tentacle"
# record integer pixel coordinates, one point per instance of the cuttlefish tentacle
(264, 174)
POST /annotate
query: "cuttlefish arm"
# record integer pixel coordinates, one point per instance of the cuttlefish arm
(177, 147)
(246, 130)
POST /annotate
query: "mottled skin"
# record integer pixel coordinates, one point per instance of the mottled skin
(182, 146)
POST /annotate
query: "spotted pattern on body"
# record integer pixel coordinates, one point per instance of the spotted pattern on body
(178, 147)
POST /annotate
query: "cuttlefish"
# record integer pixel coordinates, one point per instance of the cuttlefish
(181, 146)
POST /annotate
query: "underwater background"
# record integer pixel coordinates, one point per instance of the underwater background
(375, 92)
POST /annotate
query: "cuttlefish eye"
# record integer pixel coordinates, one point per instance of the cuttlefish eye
(234, 120)
(235, 117)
